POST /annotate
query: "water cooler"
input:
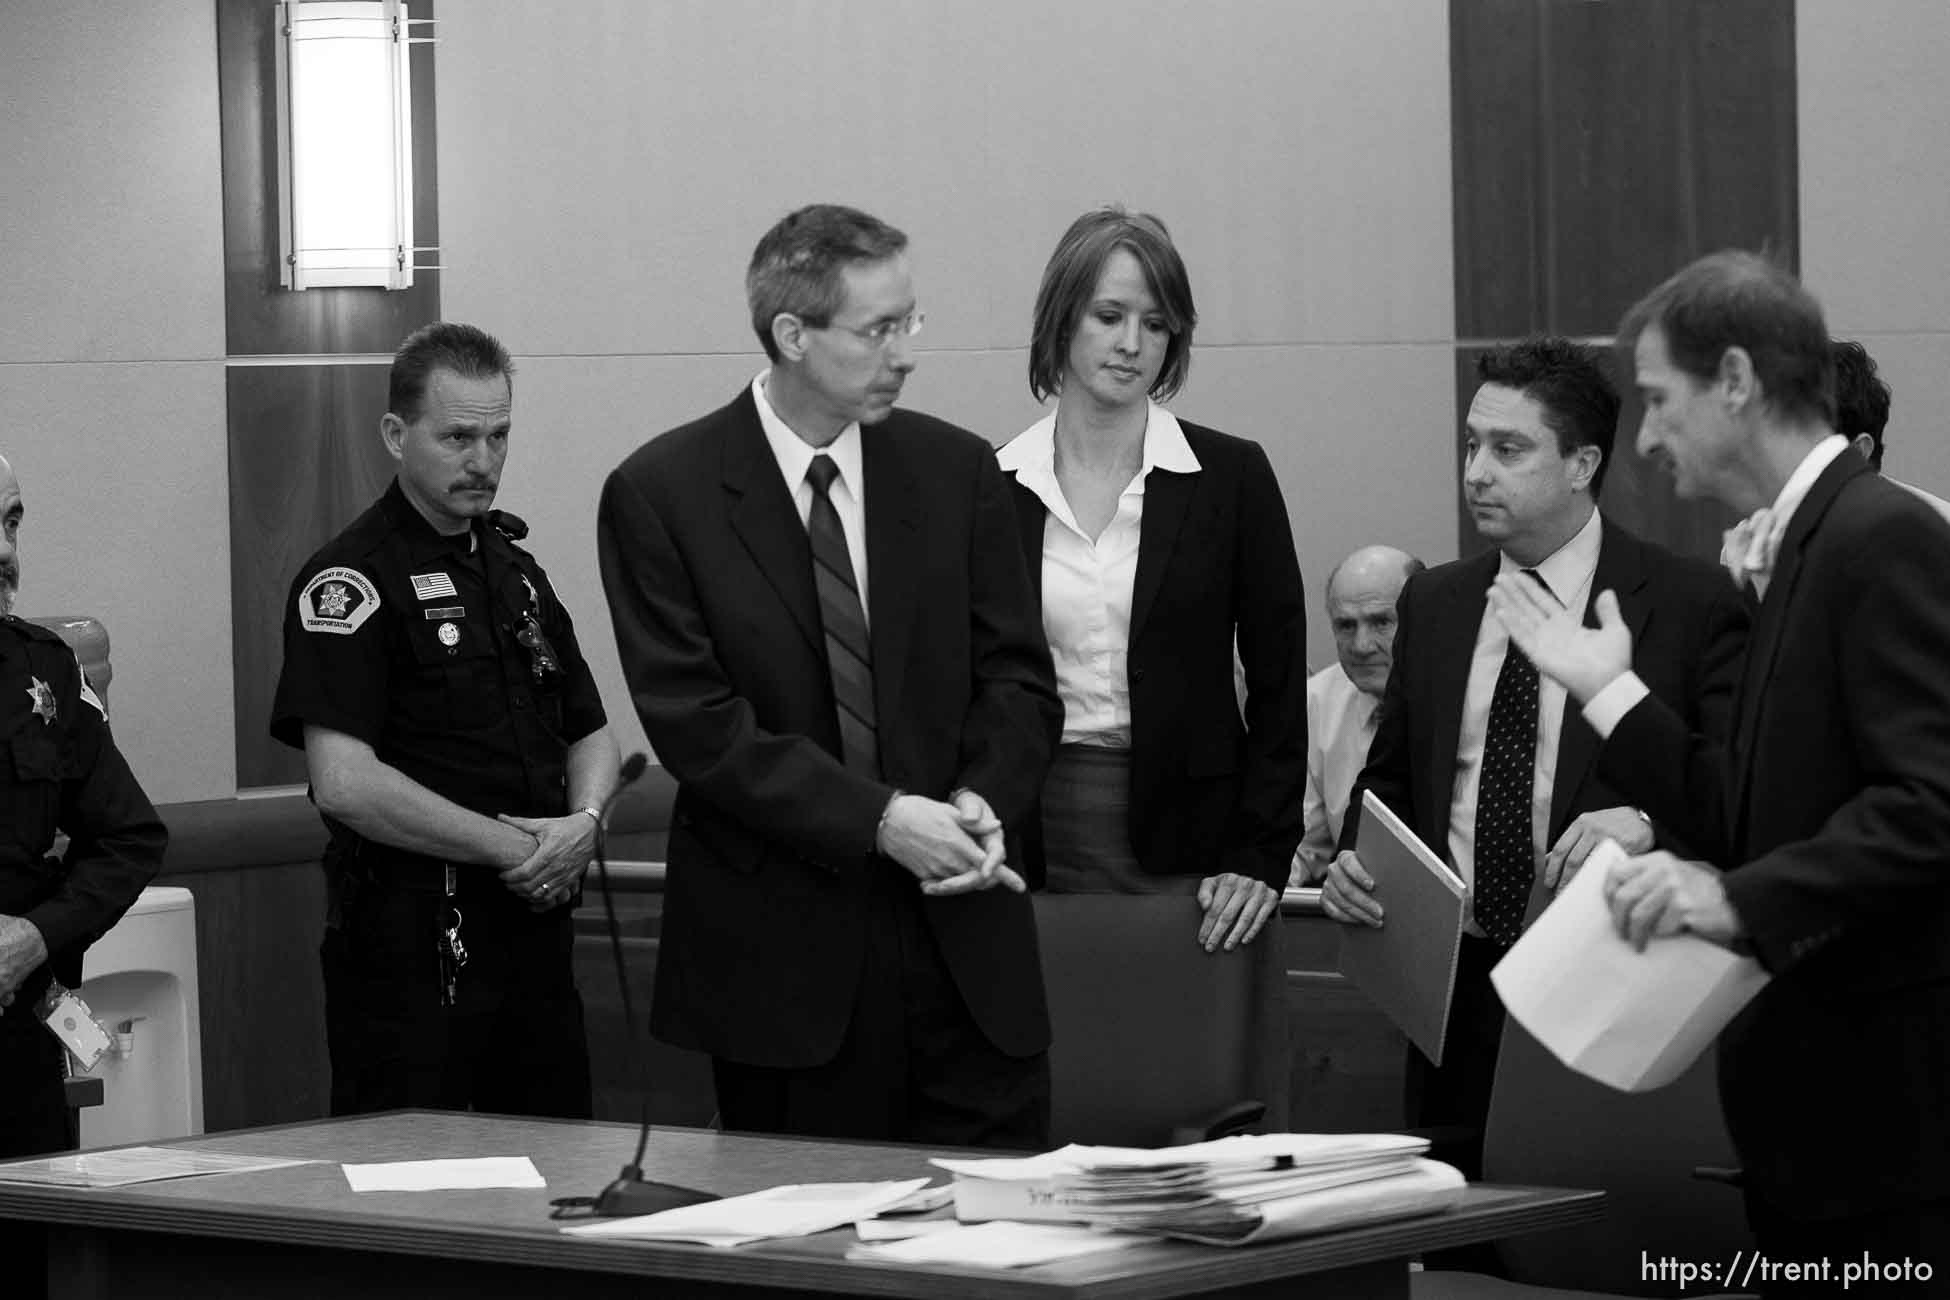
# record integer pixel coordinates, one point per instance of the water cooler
(140, 981)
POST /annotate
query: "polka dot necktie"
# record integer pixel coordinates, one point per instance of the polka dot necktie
(849, 654)
(1504, 856)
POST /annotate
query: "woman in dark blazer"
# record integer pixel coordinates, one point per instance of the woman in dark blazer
(1156, 545)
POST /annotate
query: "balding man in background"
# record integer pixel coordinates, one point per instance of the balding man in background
(1341, 697)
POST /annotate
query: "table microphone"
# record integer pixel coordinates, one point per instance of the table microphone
(631, 1193)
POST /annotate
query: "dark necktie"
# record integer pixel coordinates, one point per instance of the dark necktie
(849, 655)
(1504, 855)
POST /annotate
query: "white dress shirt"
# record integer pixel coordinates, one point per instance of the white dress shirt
(848, 492)
(1340, 727)
(1610, 705)
(1567, 571)
(1087, 584)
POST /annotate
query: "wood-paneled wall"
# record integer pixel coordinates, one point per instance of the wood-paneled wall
(1597, 149)
(305, 460)
(305, 455)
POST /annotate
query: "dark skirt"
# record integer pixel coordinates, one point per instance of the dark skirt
(1087, 827)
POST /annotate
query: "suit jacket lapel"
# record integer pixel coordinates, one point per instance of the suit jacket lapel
(766, 520)
(1620, 570)
(894, 545)
(1031, 518)
(1167, 496)
(1452, 648)
(1764, 641)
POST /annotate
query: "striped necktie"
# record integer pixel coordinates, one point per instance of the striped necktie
(849, 655)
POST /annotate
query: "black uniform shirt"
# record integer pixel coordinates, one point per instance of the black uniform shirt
(60, 770)
(414, 643)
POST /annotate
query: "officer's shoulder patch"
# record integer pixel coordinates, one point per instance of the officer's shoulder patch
(337, 600)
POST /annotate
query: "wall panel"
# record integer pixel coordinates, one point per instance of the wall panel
(110, 383)
(1300, 157)
(1598, 148)
(1875, 163)
(305, 460)
(110, 237)
(122, 472)
(1875, 184)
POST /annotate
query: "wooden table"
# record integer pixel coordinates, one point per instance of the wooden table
(300, 1231)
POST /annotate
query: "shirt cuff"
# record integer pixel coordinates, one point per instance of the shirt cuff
(1609, 706)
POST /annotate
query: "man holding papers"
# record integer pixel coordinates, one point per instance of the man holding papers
(1487, 765)
(1830, 803)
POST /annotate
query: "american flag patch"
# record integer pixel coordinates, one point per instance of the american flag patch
(432, 586)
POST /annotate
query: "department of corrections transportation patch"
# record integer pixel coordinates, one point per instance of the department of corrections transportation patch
(337, 600)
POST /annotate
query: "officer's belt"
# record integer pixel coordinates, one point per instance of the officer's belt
(371, 862)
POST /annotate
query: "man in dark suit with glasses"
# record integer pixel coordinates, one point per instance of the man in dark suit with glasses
(829, 633)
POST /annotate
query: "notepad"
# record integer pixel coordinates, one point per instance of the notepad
(1408, 966)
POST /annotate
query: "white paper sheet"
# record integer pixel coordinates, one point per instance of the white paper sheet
(998, 1245)
(444, 1175)
(794, 1210)
(1632, 1020)
(900, 1229)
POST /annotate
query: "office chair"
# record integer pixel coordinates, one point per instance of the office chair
(1551, 1126)
(1156, 1041)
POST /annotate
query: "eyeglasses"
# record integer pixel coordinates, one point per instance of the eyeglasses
(885, 332)
(541, 655)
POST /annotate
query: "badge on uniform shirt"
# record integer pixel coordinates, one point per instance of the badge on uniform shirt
(337, 600)
(43, 696)
(432, 586)
(449, 635)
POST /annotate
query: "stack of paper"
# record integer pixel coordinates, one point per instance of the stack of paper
(795, 1210)
(1231, 1191)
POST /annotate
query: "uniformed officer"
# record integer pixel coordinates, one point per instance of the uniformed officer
(60, 771)
(458, 752)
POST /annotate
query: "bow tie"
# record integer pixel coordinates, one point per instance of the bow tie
(1748, 549)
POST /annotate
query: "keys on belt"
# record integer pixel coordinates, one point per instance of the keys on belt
(450, 946)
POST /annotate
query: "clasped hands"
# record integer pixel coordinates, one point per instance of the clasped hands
(952, 848)
(548, 876)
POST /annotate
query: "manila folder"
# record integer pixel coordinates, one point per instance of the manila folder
(1408, 966)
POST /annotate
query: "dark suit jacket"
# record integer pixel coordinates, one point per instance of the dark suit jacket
(708, 572)
(1830, 808)
(1215, 554)
(1688, 627)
